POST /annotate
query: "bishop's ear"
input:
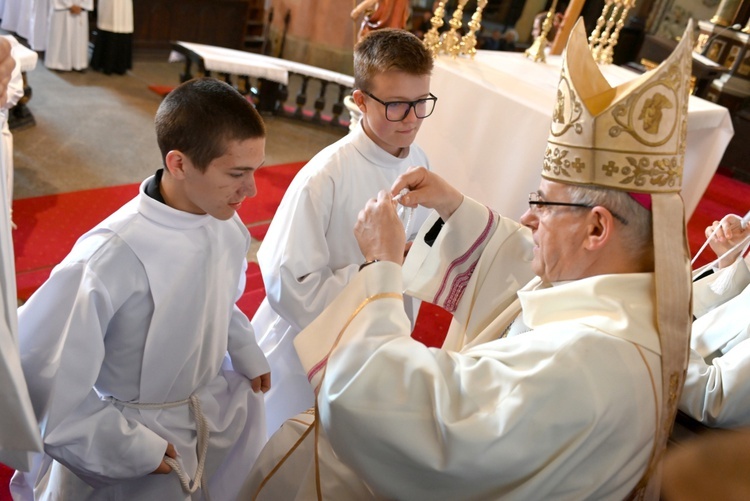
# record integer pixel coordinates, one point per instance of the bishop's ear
(600, 227)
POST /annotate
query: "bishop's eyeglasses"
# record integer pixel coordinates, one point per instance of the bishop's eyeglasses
(395, 111)
(536, 204)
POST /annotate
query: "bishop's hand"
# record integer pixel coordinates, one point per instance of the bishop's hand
(428, 190)
(379, 231)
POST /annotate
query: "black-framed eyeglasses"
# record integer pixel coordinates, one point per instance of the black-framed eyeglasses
(535, 202)
(395, 111)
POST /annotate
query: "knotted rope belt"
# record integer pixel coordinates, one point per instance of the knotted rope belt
(201, 427)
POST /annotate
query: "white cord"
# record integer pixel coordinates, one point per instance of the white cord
(743, 223)
(743, 243)
(201, 425)
(403, 209)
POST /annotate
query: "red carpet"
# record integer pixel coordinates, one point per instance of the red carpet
(5, 474)
(723, 196)
(162, 90)
(49, 226)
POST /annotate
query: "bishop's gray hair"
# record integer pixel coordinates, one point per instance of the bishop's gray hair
(639, 239)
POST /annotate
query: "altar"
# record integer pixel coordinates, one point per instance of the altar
(489, 130)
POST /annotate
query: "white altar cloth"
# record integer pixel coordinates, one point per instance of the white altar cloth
(489, 130)
(26, 57)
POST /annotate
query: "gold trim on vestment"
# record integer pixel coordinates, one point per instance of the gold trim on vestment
(283, 460)
(639, 490)
(314, 410)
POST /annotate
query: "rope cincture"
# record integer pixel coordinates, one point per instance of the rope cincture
(201, 427)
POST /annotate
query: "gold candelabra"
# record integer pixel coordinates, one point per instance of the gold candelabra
(536, 51)
(451, 42)
(606, 34)
(432, 37)
(469, 41)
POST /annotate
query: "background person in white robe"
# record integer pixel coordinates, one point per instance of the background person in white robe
(113, 43)
(11, 14)
(717, 386)
(125, 346)
(310, 253)
(552, 390)
(19, 436)
(39, 28)
(13, 95)
(68, 35)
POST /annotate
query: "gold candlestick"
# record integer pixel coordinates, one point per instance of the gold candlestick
(603, 39)
(451, 41)
(609, 50)
(595, 36)
(432, 37)
(536, 51)
(469, 41)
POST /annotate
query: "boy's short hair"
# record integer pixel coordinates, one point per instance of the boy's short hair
(389, 49)
(201, 116)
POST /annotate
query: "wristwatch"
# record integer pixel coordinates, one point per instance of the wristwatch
(367, 263)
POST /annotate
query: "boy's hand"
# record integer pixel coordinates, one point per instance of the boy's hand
(164, 468)
(261, 383)
(428, 190)
(729, 234)
(379, 231)
(76, 9)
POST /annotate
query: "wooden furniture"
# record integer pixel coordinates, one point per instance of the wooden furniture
(655, 49)
(735, 158)
(223, 23)
(269, 90)
(20, 116)
(255, 27)
(728, 48)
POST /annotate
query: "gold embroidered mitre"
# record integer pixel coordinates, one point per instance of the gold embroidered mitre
(630, 137)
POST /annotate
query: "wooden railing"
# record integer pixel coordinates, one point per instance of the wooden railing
(319, 94)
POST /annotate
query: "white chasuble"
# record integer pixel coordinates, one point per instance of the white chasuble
(564, 411)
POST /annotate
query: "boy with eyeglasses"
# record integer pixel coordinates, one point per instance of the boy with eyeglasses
(309, 253)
